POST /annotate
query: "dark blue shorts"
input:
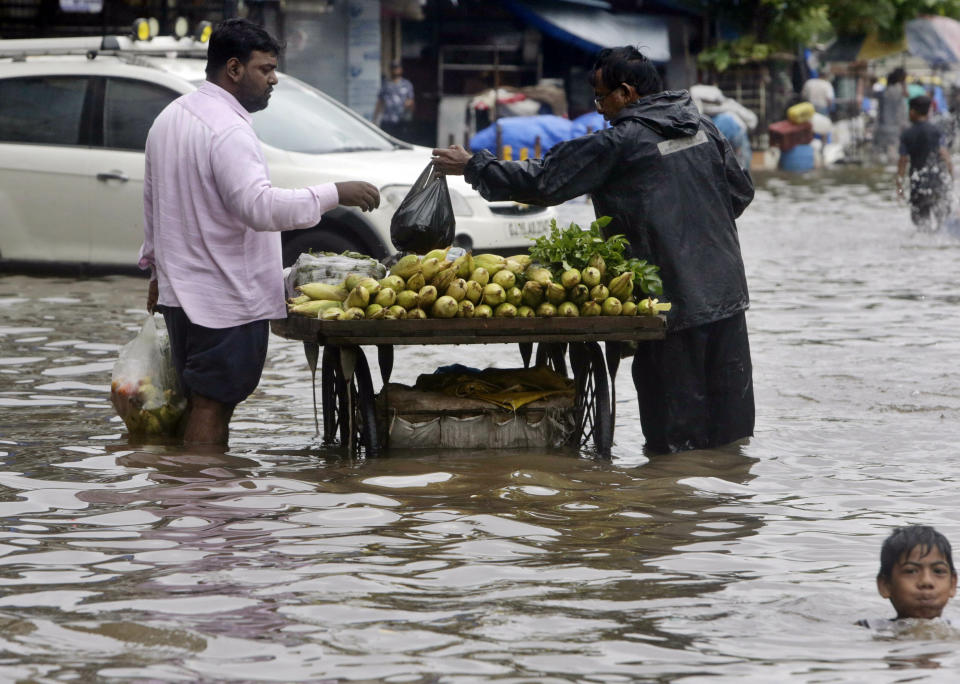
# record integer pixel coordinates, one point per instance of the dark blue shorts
(223, 364)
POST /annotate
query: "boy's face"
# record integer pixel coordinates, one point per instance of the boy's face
(919, 586)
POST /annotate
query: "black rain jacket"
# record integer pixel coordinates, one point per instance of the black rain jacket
(672, 185)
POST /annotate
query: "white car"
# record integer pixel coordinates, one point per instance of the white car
(74, 116)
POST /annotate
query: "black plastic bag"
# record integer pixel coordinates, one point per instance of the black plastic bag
(424, 220)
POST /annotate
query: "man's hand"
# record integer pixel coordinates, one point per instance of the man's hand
(451, 160)
(358, 194)
(152, 293)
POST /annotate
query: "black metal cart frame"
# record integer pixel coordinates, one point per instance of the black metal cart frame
(347, 394)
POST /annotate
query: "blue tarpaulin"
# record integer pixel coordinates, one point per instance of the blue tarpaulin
(522, 131)
(592, 120)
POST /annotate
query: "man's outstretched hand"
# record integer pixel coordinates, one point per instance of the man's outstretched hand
(451, 160)
(358, 194)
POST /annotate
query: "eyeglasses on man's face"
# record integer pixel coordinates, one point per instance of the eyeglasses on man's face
(598, 98)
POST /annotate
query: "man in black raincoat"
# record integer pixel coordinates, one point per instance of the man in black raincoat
(673, 187)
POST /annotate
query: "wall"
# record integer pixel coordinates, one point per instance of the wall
(337, 51)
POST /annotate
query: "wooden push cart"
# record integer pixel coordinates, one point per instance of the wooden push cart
(347, 394)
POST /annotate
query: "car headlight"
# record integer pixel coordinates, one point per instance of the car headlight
(392, 196)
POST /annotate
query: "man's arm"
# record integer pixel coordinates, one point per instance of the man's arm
(738, 180)
(947, 162)
(571, 168)
(902, 170)
(241, 178)
(146, 258)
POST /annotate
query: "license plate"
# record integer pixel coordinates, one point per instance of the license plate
(528, 228)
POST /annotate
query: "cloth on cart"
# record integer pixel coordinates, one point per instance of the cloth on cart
(508, 388)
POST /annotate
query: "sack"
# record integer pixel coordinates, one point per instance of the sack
(145, 390)
(331, 269)
(424, 220)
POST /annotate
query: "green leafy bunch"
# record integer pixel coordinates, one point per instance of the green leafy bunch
(572, 247)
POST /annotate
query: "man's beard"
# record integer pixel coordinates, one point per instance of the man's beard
(254, 103)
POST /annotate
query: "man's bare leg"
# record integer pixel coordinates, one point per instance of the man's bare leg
(208, 423)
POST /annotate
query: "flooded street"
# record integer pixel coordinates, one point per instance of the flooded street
(285, 561)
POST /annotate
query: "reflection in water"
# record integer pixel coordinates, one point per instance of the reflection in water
(514, 560)
(285, 561)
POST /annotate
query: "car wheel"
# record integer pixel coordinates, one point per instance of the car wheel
(317, 241)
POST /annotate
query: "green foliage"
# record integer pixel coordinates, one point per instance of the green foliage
(776, 25)
(766, 26)
(886, 18)
(740, 51)
(573, 247)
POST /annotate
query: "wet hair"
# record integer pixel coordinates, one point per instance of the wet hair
(898, 75)
(903, 540)
(626, 65)
(920, 104)
(238, 38)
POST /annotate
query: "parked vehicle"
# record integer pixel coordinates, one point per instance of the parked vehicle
(74, 117)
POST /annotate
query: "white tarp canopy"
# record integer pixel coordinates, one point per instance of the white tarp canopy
(590, 28)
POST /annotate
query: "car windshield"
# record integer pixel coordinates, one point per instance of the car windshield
(301, 119)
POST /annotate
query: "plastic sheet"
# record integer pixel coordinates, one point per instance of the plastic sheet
(144, 388)
(331, 269)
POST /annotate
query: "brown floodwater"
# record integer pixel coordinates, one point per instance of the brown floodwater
(284, 560)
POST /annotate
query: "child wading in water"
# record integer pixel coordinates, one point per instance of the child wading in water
(916, 574)
(931, 171)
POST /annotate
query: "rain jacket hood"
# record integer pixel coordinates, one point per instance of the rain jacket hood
(670, 183)
(671, 113)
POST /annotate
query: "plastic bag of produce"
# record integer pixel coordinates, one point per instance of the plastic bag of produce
(424, 220)
(331, 269)
(144, 388)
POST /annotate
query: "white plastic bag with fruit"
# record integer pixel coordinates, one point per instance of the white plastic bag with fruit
(144, 388)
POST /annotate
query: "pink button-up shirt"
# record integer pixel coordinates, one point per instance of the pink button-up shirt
(211, 216)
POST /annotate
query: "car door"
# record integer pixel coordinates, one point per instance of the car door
(129, 106)
(45, 184)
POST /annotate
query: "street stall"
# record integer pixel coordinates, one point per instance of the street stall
(349, 402)
(574, 290)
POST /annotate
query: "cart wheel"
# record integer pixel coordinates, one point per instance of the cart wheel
(552, 354)
(593, 396)
(365, 414)
(385, 359)
(526, 351)
(611, 351)
(333, 392)
(343, 401)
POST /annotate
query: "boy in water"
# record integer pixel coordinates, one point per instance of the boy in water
(931, 171)
(916, 574)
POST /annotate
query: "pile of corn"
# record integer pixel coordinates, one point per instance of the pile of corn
(481, 286)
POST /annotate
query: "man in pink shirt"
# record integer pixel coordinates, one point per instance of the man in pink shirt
(212, 224)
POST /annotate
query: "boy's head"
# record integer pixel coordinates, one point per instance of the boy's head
(919, 107)
(916, 572)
